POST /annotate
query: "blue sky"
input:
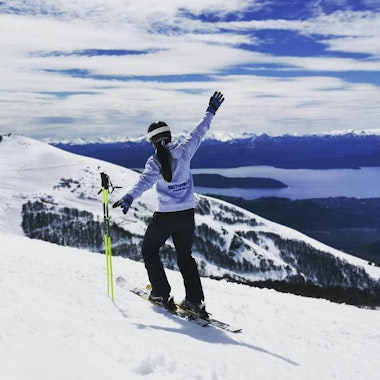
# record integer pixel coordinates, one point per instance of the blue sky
(90, 69)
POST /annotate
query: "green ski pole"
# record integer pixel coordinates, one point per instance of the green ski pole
(106, 184)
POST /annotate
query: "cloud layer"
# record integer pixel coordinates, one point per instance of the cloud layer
(94, 68)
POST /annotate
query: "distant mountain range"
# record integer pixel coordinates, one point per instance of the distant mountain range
(53, 195)
(349, 150)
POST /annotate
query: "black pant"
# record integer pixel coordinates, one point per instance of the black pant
(180, 226)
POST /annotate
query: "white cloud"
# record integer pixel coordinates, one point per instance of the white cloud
(356, 27)
(37, 44)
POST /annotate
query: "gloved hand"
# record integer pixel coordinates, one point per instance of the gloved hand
(124, 203)
(215, 102)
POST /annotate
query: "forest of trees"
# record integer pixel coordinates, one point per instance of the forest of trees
(71, 227)
(323, 268)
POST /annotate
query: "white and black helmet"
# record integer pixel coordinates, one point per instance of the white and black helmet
(159, 131)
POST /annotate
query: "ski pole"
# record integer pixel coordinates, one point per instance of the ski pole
(105, 190)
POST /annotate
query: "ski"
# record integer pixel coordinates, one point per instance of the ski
(212, 321)
(180, 312)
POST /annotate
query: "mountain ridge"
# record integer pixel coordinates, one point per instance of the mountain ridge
(350, 150)
(222, 136)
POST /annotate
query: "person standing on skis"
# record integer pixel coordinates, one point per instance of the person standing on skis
(169, 169)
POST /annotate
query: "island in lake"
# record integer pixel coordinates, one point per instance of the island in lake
(221, 182)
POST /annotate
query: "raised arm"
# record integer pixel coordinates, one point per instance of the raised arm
(194, 139)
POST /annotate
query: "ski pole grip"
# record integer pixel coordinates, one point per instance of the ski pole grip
(105, 180)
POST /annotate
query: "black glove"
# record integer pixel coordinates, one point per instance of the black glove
(124, 203)
(215, 102)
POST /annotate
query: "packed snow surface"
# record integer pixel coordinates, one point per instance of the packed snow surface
(57, 322)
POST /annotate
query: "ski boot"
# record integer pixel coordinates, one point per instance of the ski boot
(199, 309)
(167, 303)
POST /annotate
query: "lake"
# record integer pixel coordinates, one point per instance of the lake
(303, 183)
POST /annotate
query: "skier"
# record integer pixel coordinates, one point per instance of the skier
(169, 169)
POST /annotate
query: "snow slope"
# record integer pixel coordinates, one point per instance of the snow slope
(32, 170)
(56, 322)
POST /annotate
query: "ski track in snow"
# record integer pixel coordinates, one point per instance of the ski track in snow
(57, 322)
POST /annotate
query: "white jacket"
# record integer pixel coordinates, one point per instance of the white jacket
(177, 195)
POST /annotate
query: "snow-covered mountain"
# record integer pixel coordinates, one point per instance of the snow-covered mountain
(52, 195)
(57, 322)
(222, 136)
